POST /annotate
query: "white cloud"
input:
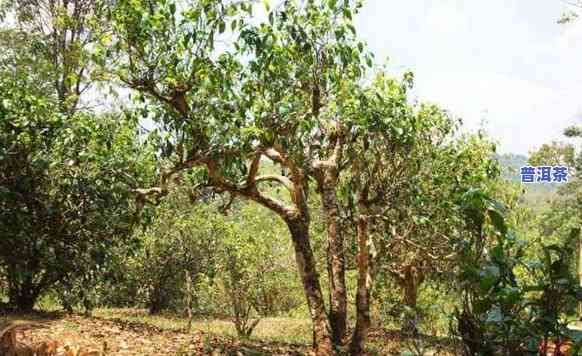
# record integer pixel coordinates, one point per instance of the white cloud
(446, 16)
(571, 36)
(505, 61)
(522, 113)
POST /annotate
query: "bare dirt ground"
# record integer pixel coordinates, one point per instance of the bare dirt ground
(133, 332)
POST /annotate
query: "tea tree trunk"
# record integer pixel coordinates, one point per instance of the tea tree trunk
(310, 279)
(335, 262)
(363, 293)
(410, 284)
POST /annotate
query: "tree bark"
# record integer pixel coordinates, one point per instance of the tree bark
(158, 300)
(297, 219)
(309, 277)
(22, 299)
(335, 258)
(363, 293)
(22, 294)
(189, 291)
(410, 284)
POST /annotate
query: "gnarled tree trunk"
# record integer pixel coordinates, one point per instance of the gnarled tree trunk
(413, 278)
(309, 277)
(363, 293)
(158, 299)
(410, 281)
(296, 217)
(22, 292)
(335, 257)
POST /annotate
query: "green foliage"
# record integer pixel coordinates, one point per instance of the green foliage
(554, 154)
(52, 39)
(511, 302)
(256, 263)
(563, 209)
(65, 201)
(64, 188)
(182, 240)
(568, 17)
(225, 101)
(420, 226)
(239, 264)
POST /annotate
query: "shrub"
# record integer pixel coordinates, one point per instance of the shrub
(502, 312)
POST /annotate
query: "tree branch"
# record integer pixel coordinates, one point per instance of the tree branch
(286, 182)
(274, 156)
(249, 192)
(163, 188)
(255, 164)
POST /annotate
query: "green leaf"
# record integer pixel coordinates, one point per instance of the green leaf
(369, 62)
(498, 221)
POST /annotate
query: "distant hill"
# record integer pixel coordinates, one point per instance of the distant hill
(510, 165)
(535, 194)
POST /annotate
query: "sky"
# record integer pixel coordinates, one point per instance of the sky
(503, 65)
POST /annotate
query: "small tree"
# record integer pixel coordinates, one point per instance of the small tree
(176, 249)
(64, 201)
(250, 260)
(222, 111)
(65, 172)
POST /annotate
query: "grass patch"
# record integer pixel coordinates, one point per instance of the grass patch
(274, 329)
